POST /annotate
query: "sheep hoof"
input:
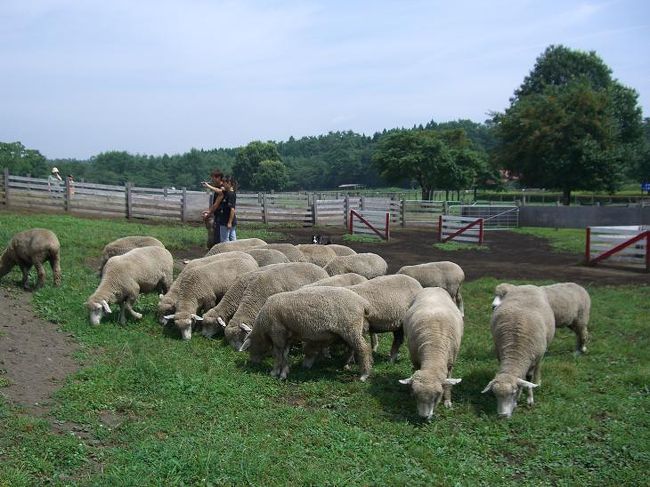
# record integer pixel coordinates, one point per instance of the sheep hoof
(394, 358)
(137, 316)
(448, 404)
(347, 367)
(364, 377)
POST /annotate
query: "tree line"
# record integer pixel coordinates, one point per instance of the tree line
(569, 126)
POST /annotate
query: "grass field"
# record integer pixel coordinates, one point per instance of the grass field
(195, 413)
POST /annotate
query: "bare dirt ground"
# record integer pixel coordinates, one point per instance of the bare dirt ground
(35, 357)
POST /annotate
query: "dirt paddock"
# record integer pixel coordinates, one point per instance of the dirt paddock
(35, 357)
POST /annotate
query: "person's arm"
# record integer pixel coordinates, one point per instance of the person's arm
(217, 201)
(231, 203)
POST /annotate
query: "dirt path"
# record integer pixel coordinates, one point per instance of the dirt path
(35, 357)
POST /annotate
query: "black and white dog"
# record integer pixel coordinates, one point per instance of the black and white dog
(321, 239)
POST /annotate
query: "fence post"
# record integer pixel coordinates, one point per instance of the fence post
(588, 245)
(129, 200)
(362, 203)
(402, 211)
(265, 216)
(68, 195)
(184, 206)
(6, 183)
(439, 228)
(346, 210)
(314, 212)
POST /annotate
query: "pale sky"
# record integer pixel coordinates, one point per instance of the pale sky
(82, 77)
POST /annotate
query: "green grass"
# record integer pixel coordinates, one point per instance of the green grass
(351, 237)
(561, 239)
(198, 414)
(452, 246)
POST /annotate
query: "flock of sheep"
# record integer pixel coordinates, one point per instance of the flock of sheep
(265, 298)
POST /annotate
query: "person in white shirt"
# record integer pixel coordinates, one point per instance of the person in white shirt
(53, 180)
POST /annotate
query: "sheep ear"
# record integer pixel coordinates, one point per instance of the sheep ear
(488, 387)
(406, 382)
(245, 345)
(525, 383)
(197, 317)
(245, 327)
(106, 307)
(496, 302)
(452, 382)
(221, 322)
(169, 317)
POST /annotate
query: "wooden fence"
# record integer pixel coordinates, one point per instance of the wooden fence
(625, 244)
(128, 201)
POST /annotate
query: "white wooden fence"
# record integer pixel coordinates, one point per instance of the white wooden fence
(460, 229)
(625, 244)
(495, 217)
(370, 223)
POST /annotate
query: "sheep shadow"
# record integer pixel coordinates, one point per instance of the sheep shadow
(469, 392)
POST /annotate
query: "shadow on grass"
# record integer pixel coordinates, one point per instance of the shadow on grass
(469, 392)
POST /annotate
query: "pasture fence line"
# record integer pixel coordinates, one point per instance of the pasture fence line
(624, 244)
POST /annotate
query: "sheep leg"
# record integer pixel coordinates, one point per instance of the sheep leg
(131, 311)
(580, 329)
(278, 351)
(398, 339)
(55, 264)
(374, 341)
(535, 376)
(311, 351)
(123, 314)
(446, 390)
(285, 362)
(363, 353)
(25, 270)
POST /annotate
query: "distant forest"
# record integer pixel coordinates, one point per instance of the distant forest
(312, 163)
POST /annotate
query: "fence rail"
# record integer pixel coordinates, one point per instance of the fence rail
(624, 244)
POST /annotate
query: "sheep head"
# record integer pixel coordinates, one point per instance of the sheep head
(500, 292)
(507, 389)
(428, 391)
(184, 322)
(97, 311)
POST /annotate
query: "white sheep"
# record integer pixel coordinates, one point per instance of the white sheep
(201, 287)
(242, 244)
(341, 250)
(293, 253)
(317, 254)
(123, 245)
(433, 328)
(444, 274)
(32, 248)
(317, 316)
(390, 298)
(276, 279)
(340, 280)
(217, 317)
(265, 256)
(141, 270)
(167, 302)
(522, 328)
(571, 306)
(368, 265)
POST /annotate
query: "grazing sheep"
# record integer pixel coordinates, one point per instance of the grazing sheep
(433, 327)
(341, 250)
(124, 244)
(571, 306)
(318, 316)
(279, 278)
(292, 252)
(265, 256)
(317, 254)
(167, 302)
(369, 265)
(216, 318)
(390, 298)
(141, 270)
(243, 244)
(201, 287)
(32, 248)
(522, 328)
(340, 280)
(445, 274)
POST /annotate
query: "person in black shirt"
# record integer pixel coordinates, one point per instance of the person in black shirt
(227, 217)
(210, 216)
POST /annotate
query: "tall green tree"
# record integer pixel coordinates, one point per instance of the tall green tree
(570, 125)
(21, 161)
(249, 158)
(271, 175)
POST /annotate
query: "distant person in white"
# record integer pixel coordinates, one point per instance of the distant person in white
(53, 180)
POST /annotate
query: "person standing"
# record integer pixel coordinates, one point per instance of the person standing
(53, 180)
(210, 216)
(227, 217)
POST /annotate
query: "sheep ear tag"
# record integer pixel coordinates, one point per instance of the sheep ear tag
(406, 382)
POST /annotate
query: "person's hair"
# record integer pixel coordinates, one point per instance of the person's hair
(216, 173)
(232, 181)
